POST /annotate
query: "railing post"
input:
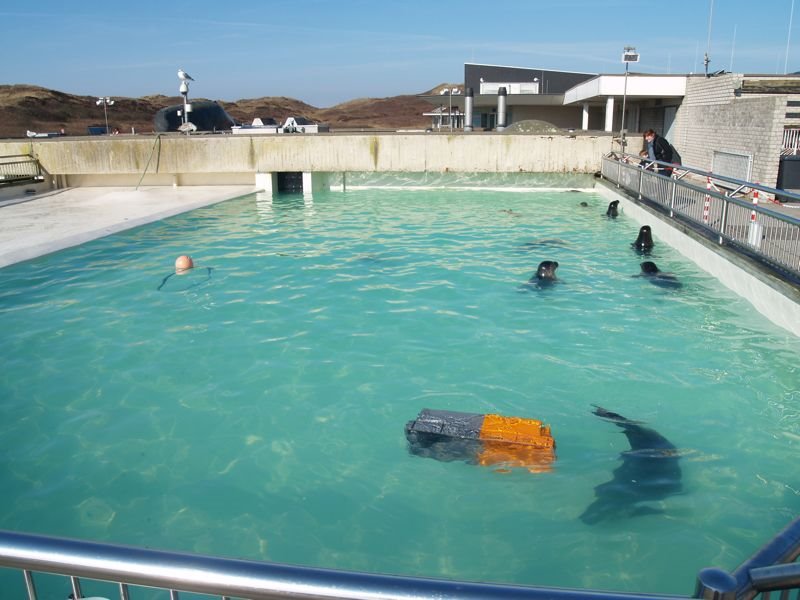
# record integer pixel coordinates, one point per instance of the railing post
(715, 584)
(672, 199)
(29, 585)
(76, 587)
(641, 182)
(723, 220)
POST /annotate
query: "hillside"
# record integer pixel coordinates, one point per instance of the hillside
(27, 107)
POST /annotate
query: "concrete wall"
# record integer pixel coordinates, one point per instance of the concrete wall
(227, 159)
(714, 116)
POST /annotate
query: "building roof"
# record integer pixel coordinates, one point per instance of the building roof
(565, 88)
(771, 84)
(637, 87)
(549, 81)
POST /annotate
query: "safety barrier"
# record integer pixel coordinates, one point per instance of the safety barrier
(177, 572)
(791, 141)
(19, 169)
(772, 568)
(734, 217)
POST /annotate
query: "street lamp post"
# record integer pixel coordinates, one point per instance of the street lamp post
(629, 55)
(106, 102)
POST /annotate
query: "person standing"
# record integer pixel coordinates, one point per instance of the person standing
(658, 149)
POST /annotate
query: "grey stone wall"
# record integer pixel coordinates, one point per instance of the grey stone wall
(715, 116)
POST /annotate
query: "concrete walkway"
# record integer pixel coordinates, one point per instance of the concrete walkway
(37, 225)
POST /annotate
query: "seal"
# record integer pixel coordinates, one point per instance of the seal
(545, 243)
(644, 242)
(649, 472)
(613, 209)
(545, 273)
(658, 277)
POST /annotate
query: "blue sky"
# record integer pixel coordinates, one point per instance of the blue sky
(326, 52)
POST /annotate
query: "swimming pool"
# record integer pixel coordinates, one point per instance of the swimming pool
(256, 410)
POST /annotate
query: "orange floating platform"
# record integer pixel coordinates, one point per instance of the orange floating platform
(482, 439)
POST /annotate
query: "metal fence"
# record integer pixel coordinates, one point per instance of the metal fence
(772, 568)
(20, 168)
(740, 217)
(791, 141)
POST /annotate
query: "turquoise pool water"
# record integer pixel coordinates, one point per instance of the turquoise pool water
(257, 411)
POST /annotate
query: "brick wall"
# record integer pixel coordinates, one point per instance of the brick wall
(714, 116)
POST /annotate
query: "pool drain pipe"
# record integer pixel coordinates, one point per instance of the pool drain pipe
(468, 96)
(501, 108)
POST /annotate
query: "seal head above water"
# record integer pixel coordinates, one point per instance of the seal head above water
(546, 272)
(644, 242)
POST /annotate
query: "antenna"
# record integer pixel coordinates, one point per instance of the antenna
(707, 59)
(789, 39)
(733, 47)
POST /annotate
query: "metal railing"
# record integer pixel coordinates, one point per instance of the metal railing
(21, 168)
(734, 218)
(771, 568)
(178, 572)
(791, 141)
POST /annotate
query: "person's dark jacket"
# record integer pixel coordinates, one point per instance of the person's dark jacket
(662, 149)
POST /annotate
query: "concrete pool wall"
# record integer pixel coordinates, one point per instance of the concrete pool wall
(173, 159)
(775, 299)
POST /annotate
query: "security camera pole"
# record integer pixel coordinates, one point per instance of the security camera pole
(185, 78)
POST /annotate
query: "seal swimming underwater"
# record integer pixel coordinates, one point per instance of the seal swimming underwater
(545, 243)
(649, 472)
